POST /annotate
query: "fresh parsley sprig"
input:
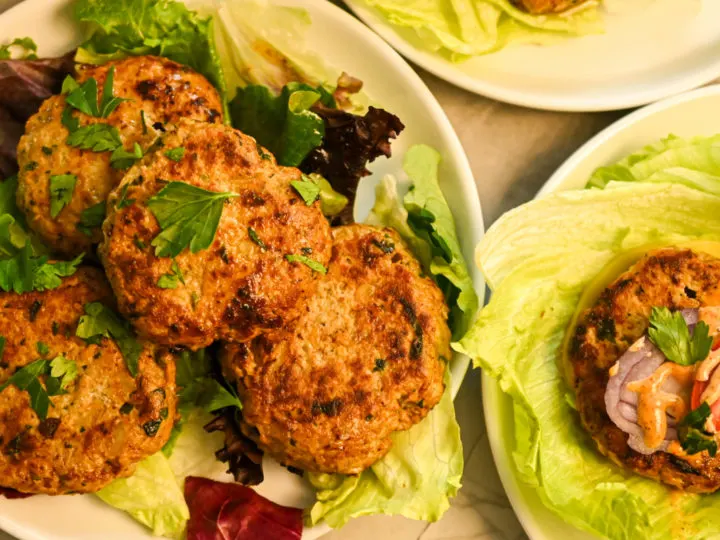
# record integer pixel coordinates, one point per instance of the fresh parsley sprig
(84, 97)
(692, 434)
(670, 333)
(24, 272)
(171, 280)
(100, 321)
(188, 216)
(307, 189)
(92, 218)
(61, 191)
(59, 373)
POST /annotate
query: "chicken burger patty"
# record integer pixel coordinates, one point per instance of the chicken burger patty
(158, 91)
(366, 358)
(672, 278)
(268, 251)
(105, 423)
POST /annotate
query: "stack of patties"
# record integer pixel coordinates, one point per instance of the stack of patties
(333, 338)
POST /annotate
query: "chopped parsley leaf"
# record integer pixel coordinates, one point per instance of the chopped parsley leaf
(61, 191)
(63, 369)
(92, 218)
(124, 201)
(96, 137)
(42, 348)
(307, 261)
(100, 321)
(28, 46)
(255, 238)
(175, 154)
(24, 272)
(170, 281)
(308, 190)
(122, 159)
(188, 216)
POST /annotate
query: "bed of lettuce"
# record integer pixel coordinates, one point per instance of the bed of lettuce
(460, 29)
(276, 103)
(537, 260)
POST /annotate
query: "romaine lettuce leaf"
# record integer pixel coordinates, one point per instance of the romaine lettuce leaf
(694, 162)
(415, 479)
(459, 29)
(426, 223)
(538, 259)
(152, 496)
(137, 27)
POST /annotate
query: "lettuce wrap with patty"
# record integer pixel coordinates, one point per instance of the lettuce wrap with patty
(538, 259)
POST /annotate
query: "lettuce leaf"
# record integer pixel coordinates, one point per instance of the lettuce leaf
(415, 479)
(283, 124)
(538, 259)
(117, 29)
(426, 223)
(152, 496)
(459, 29)
(694, 162)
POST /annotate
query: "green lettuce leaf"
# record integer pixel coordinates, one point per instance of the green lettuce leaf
(117, 29)
(152, 496)
(694, 162)
(459, 29)
(415, 479)
(283, 124)
(426, 223)
(537, 260)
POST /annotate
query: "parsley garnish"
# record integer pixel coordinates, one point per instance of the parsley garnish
(308, 190)
(122, 159)
(84, 97)
(24, 272)
(100, 321)
(307, 261)
(692, 434)
(61, 190)
(92, 218)
(63, 369)
(124, 201)
(42, 348)
(170, 281)
(175, 154)
(198, 388)
(2, 346)
(96, 137)
(670, 333)
(188, 216)
(143, 121)
(255, 238)
(59, 374)
(27, 44)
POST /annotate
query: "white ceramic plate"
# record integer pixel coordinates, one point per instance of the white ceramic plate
(687, 115)
(390, 82)
(657, 49)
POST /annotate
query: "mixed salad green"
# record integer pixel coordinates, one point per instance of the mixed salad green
(538, 259)
(283, 96)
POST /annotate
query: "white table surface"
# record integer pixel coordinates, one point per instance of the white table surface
(512, 151)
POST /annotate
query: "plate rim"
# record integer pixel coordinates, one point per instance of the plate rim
(455, 154)
(492, 393)
(445, 70)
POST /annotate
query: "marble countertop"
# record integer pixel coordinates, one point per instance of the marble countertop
(512, 151)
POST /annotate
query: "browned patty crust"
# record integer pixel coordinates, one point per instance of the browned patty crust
(106, 423)
(365, 359)
(673, 278)
(159, 91)
(243, 284)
